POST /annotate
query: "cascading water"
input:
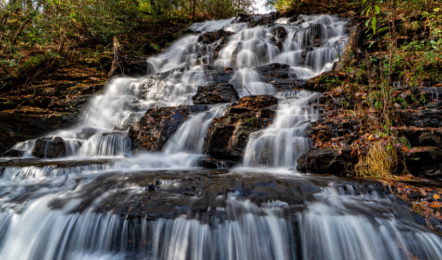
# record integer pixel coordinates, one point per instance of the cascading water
(160, 206)
(285, 140)
(190, 136)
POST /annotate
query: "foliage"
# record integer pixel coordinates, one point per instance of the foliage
(36, 33)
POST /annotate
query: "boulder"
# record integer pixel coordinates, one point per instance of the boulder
(228, 135)
(221, 93)
(326, 160)
(211, 37)
(86, 133)
(158, 125)
(48, 147)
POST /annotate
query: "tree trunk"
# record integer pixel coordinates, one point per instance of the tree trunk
(115, 61)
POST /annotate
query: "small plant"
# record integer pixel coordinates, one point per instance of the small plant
(380, 161)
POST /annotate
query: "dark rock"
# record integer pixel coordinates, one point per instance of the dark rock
(425, 162)
(19, 127)
(279, 32)
(2, 170)
(134, 65)
(86, 133)
(228, 135)
(221, 93)
(349, 139)
(130, 65)
(263, 20)
(211, 163)
(158, 125)
(48, 147)
(420, 118)
(211, 37)
(221, 43)
(294, 18)
(432, 95)
(326, 160)
(423, 136)
(13, 153)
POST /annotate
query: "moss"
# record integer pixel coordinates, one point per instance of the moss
(251, 120)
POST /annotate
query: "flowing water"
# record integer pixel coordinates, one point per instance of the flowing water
(102, 202)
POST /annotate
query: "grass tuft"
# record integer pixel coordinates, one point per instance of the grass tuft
(380, 161)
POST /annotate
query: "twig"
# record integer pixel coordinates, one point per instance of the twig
(247, 89)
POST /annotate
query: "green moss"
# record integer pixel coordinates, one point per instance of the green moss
(252, 120)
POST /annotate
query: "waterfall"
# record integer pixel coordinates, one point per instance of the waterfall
(285, 140)
(102, 202)
(190, 136)
(240, 230)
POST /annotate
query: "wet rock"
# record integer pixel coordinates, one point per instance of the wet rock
(86, 133)
(294, 19)
(211, 37)
(221, 93)
(49, 147)
(325, 160)
(228, 135)
(279, 75)
(211, 163)
(13, 153)
(221, 43)
(158, 125)
(279, 32)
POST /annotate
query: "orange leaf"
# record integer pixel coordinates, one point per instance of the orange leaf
(436, 197)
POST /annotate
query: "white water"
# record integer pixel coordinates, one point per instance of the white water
(333, 225)
(190, 136)
(280, 145)
(125, 100)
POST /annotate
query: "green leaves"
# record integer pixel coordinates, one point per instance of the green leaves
(378, 9)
